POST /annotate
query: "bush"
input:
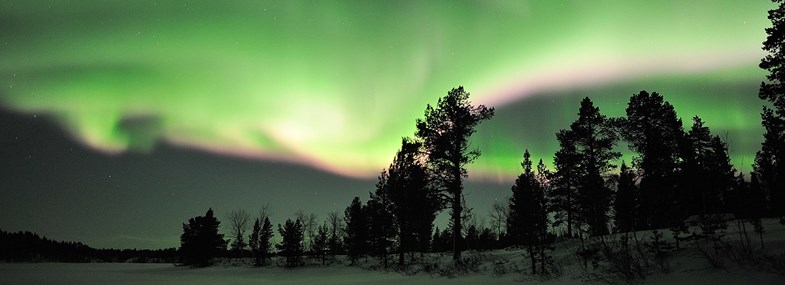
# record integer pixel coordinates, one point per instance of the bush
(617, 261)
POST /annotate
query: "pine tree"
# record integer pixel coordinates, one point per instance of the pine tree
(769, 160)
(291, 246)
(594, 142)
(413, 204)
(445, 133)
(201, 241)
(653, 130)
(265, 235)
(565, 182)
(356, 230)
(253, 242)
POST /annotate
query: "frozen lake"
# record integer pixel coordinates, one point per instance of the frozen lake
(124, 273)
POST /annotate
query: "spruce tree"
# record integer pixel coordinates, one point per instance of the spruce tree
(321, 242)
(265, 235)
(381, 230)
(291, 247)
(253, 242)
(695, 185)
(200, 241)
(525, 221)
(445, 133)
(707, 175)
(721, 176)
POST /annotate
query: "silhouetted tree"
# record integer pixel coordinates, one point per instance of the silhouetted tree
(200, 240)
(356, 230)
(291, 246)
(321, 242)
(487, 239)
(653, 130)
(381, 230)
(445, 133)
(238, 225)
(545, 238)
(769, 160)
(337, 229)
(594, 140)
(411, 201)
(695, 185)
(499, 213)
(309, 229)
(473, 237)
(707, 172)
(626, 201)
(435, 240)
(527, 214)
(265, 235)
(253, 242)
(565, 182)
(442, 240)
(721, 175)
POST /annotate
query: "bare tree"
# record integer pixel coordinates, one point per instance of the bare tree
(498, 215)
(238, 225)
(265, 212)
(336, 224)
(309, 228)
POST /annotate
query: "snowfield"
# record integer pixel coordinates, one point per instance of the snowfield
(687, 266)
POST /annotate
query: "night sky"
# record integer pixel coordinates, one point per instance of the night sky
(122, 119)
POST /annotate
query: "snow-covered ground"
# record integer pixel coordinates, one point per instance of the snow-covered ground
(686, 267)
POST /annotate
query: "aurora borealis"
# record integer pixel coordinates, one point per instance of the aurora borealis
(333, 85)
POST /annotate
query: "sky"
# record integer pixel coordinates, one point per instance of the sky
(123, 119)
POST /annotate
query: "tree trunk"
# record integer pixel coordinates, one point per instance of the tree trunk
(400, 246)
(456, 222)
(533, 258)
(569, 210)
(542, 253)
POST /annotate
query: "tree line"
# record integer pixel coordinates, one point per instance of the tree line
(30, 247)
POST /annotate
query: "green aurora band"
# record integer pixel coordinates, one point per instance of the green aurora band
(335, 84)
